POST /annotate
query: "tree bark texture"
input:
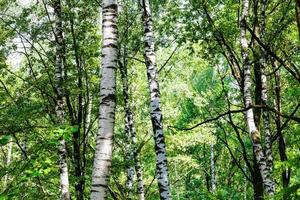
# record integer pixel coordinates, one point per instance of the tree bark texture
(104, 138)
(155, 110)
(59, 109)
(132, 151)
(254, 132)
(127, 128)
(264, 91)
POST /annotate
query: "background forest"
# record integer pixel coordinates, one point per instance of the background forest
(84, 85)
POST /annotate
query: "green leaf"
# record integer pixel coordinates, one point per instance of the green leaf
(74, 129)
(4, 140)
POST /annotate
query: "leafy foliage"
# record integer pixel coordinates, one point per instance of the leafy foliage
(198, 85)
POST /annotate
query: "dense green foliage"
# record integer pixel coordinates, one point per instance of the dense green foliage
(198, 84)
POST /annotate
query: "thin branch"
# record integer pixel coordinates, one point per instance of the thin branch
(134, 58)
(211, 119)
(290, 117)
(169, 58)
(275, 137)
(296, 74)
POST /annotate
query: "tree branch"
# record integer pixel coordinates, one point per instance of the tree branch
(290, 117)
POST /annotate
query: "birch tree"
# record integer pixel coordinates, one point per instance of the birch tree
(254, 132)
(155, 109)
(104, 138)
(59, 108)
(264, 92)
(132, 157)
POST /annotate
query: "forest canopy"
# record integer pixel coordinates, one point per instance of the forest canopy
(149, 99)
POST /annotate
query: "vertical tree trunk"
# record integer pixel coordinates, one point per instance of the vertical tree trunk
(137, 164)
(254, 132)
(266, 123)
(132, 154)
(156, 113)
(128, 123)
(64, 176)
(257, 181)
(104, 139)
(264, 92)
(86, 130)
(79, 185)
(88, 117)
(87, 124)
(285, 174)
(246, 183)
(297, 8)
(212, 169)
(139, 175)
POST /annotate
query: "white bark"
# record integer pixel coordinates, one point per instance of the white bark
(129, 146)
(266, 123)
(63, 166)
(137, 164)
(104, 142)
(60, 114)
(254, 133)
(155, 110)
(264, 93)
(139, 175)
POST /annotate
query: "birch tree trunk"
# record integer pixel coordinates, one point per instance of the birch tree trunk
(266, 122)
(128, 124)
(132, 140)
(138, 169)
(212, 169)
(59, 109)
(155, 110)
(254, 132)
(129, 149)
(104, 138)
(264, 92)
